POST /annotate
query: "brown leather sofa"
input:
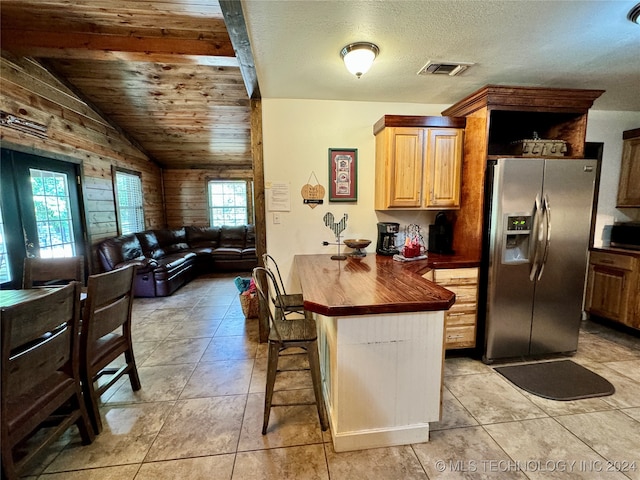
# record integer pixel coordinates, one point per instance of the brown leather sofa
(170, 258)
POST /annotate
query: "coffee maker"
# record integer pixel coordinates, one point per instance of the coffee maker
(441, 235)
(387, 232)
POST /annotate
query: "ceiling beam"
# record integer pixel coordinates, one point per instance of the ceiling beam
(75, 44)
(237, 28)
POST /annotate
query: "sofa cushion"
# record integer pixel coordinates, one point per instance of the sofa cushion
(249, 252)
(233, 236)
(120, 249)
(149, 242)
(144, 264)
(251, 236)
(172, 240)
(226, 253)
(198, 237)
(169, 262)
(201, 250)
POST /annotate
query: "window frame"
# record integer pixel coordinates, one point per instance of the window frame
(248, 200)
(131, 173)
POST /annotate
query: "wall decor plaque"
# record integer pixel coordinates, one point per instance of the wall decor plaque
(312, 194)
(343, 168)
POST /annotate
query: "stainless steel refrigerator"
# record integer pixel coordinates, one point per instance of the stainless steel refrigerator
(538, 216)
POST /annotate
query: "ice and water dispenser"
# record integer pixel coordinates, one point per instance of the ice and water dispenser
(517, 234)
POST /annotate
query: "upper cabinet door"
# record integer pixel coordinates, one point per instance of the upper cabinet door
(400, 167)
(443, 168)
(629, 186)
(418, 168)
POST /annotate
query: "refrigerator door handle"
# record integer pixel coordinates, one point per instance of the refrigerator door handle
(546, 209)
(534, 239)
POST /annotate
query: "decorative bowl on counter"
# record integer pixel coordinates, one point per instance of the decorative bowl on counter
(358, 245)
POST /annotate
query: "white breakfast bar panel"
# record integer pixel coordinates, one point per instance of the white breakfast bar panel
(382, 377)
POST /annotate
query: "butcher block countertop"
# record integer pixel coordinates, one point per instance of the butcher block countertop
(368, 285)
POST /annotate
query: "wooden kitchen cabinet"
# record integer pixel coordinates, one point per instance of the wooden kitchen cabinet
(460, 321)
(418, 163)
(496, 117)
(629, 185)
(613, 286)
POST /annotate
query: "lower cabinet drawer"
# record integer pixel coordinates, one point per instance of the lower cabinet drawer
(624, 262)
(459, 318)
(464, 294)
(456, 276)
(460, 337)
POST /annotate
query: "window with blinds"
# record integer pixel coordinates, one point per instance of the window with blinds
(128, 189)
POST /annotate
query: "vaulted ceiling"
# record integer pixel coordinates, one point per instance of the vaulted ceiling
(163, 71)
(173, 75)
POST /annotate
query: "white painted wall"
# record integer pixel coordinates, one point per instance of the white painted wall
(298, 133)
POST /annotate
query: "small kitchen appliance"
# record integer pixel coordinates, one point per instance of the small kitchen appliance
(441, 235)
(626, 235)
(387, 232)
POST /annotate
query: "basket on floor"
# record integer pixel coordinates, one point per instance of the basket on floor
(249, 304)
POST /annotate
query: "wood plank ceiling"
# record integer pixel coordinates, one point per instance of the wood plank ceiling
(162, 71)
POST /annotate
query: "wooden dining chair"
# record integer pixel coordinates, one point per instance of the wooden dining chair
(51, 272)
(285, 333)
(291, 302)
(40, 376)
(106, 335)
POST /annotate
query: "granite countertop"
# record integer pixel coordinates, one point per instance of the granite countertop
(368, 285)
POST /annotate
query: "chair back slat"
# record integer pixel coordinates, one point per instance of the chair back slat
(46, 272)
(108, 303)
(38, 338)
(268, 262)
(34, 365)
(108, 318)
(267, 290)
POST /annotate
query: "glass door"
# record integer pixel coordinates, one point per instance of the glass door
(41, 212)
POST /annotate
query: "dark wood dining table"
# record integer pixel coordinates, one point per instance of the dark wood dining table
(9, 298)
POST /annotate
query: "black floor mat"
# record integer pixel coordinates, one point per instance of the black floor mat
(558, 380)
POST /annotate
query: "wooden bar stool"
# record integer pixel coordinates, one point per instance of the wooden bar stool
(290, 302)
(284, 333)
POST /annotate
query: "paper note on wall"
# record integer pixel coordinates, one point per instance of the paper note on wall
(278, 197)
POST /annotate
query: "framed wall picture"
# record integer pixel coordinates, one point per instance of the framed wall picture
(343, 174)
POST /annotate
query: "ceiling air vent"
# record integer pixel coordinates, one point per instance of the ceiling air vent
(444, 68)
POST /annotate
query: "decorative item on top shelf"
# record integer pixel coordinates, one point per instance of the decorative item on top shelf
(538, 147)
(343, 176)
(337, 228)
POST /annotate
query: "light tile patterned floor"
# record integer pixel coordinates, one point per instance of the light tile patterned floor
(199, 413)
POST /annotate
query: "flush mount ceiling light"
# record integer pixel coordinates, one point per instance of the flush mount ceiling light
(358, 57)
(634, 14)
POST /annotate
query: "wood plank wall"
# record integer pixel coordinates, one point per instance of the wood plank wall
(186, 193)
(78, 134)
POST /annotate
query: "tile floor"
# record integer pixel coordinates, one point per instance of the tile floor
(199, 413)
